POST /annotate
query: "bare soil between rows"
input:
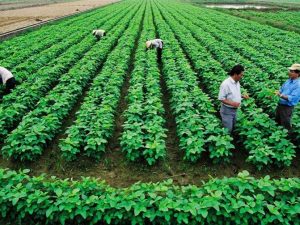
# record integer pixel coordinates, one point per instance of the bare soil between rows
(18, 18)
(119, 172)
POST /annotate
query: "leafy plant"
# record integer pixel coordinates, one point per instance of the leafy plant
(197, 126)
(237, 200)
(252, 119)
(95, 120)
(43, 123)
(144, 133)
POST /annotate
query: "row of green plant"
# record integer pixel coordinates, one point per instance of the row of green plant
(40, 126)
(30, 54)
(249, 32)
(75, 33)
(263, 51)
(273, 63)
(266, 142)
(288, 20)
(26, 95)
(237, 200)
(47, 57)
(13, 47)
(259, 67)
(95, 120)
(143, 136)
(262, 119)
(289, 4)
(259, 80)
(198, 128)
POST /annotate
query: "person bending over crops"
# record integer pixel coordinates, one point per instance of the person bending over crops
(99, 34)
(289, 97)
(158, 44)
(7, 79)
(231, 97)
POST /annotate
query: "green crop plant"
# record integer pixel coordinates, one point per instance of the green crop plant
(144, 136)
(198, 128)
(237, 200)
(95, 120)
(28, 140)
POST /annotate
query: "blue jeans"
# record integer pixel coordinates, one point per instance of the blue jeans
(228, 117)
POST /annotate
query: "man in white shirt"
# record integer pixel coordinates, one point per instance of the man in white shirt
(158, 44)
(7, 79)
(231, 97)
(99, 34)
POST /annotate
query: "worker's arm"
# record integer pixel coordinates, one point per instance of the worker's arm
(231, 103)
(245, 96)
(285, 97)
(278, 93)
(223, 93)
(293, 97)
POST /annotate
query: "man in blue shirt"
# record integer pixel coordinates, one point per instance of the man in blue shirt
(289, 94)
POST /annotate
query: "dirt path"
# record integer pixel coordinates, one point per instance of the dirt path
(18, 18)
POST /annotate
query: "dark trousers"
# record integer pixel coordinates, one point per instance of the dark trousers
(284, 116)
(10, 84)
(159, 54)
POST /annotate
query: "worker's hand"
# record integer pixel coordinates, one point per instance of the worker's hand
(236, 104)
(246, 96)
(277, 93)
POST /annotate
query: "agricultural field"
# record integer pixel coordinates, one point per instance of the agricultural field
(281, 14)
(288, 20)
(15, 4)
(20, 15)
(270, 2)
(105, 132)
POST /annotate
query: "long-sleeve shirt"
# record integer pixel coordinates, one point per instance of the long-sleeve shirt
(291, 89)
(157, 43)
(98, 33)
(230, 90)
(5, 74)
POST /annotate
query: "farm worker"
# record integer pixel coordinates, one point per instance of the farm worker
(231, 97)
(7, 79)
(289, 96)
(99, 34)
(158, 44)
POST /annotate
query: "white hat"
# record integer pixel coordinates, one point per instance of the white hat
(148, 44)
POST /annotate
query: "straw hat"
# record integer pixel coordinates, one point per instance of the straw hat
(295, 67)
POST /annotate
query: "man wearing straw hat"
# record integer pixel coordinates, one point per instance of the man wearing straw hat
(289, 95)
(158, 44)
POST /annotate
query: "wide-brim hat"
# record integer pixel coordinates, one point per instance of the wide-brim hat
(295, 66)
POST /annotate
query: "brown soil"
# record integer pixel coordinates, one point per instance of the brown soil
(18, 18)
(118, 172)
